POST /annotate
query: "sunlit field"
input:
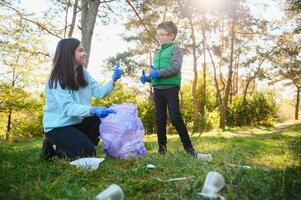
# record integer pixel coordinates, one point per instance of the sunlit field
(273, 154)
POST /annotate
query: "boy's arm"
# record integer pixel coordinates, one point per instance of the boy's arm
(148, 79)
(177, 58)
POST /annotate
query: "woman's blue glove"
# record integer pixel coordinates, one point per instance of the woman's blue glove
(117, 73)
(102, 112)
(143, 77)
(154, 73)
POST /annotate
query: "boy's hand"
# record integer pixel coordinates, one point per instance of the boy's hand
(153, 73)
(143, 77)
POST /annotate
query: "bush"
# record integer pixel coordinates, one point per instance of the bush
(120, 95)
(29, 126)
(259, 109)
(27, 112)
(212, 119)
(147, 114)
(209, 116)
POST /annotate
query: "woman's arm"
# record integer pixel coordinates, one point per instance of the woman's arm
(97, 90)
(67, 104)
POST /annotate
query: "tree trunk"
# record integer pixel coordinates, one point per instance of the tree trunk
(246, 89)
(7, 136)
(70, 33)
(66, 18)
(10, 109)
(89, 9)
(221, 77)
(218, 91)
(236, 81)
(229, 81)
(297, 104)
(204, 95)
(194, 83)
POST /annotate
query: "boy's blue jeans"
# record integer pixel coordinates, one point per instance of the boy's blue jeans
(169, 98)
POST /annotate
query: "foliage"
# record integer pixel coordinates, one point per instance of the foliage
(29, 122)
(208, 118)
(259, 109)
(119, 95)
(13, 98)
(23, 48)
(122, 94)
(23, 57)
(29, 126)
(273, 155)
(285, 110)
(128, 63)
(287, 60)
(293, 8)
(147, 114)
(27, 110)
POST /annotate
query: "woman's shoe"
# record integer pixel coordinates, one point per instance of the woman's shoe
(47, 152)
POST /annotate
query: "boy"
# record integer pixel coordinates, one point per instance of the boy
(165, 78)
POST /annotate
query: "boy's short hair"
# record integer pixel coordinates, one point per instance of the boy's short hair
(170, 27)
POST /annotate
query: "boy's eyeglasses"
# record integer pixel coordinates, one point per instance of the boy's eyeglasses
(162, 34)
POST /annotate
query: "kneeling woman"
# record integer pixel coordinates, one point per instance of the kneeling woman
(70, 122)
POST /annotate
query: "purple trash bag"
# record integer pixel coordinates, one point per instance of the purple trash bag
(122, 133)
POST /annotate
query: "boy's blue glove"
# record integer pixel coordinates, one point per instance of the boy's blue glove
(143, 77)
(102, 112)
(154, 73)
(117, 73)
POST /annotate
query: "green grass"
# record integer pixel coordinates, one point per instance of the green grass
(274, 154)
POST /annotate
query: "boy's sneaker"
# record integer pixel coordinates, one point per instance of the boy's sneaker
(47, 151)
(191, 151)
(162, 149)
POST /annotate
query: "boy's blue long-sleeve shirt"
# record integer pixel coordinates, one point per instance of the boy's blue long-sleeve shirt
(65, 107)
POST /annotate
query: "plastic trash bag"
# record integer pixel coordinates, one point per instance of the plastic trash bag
(122, 133)
(88, 164)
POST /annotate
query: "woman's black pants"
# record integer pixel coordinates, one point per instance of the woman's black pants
(76, 140)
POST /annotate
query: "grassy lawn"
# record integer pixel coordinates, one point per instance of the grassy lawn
(273, 153)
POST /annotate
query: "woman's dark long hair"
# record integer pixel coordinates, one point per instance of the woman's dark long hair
(63, 66)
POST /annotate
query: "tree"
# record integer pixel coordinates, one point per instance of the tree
(288, 61)
(232, 13)
(13, 98)
(147, 15)
(89, 13)
(22, 54)
(293, 9)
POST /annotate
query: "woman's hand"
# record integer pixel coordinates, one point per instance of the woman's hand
(143, 77)
(101, 112)
(117, 73)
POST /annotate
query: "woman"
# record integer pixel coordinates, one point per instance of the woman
(70, 122)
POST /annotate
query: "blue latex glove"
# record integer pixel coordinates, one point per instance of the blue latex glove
(102, 112)
(154, 73)
(143, 77)
(117, 73)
